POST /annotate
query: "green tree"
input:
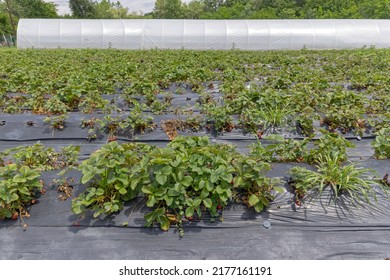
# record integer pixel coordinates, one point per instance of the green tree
(236, 11)
(83, 8)
(5, 26)
(109, 10)
(35, 9)
(169, 9)
(212, 5)
(286, 9)
(23, 9)
(375, 9)
(193, 10)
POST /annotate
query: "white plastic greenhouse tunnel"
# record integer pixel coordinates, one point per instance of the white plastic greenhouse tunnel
(203, 34)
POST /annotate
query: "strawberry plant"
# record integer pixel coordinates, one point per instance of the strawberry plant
(287, 150)
(280, 149)
(68, 156)
(18, 187)
(14, 104)
(72, 92)
(137, 122)
(44, 158)
(193, 123)
(261, 152)
(89, 123)
(219, 117)
(113, 175)
(36, 103)
(36, 156)
(110, 124)
(381, 144)
(188, 177)
(92, 135)
(304, 124)
(142, 86)
(381, 121)
(93, 102)
(251, 121)
(251, 186)
(343, 111)
(54, 106)
(56, 122)
(330, 144)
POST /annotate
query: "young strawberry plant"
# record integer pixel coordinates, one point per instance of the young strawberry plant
(381, 144)
(189, 176)
(219, 117)
(137, 122)
(44, 158)
(261, 152)
(54, 106)
(89, 123)
(251, 121)
(252, 187)
(110, 124)
(68, 157)
(304, 124)
(93, 102)
(56, 122)
(343, 110)
(113, 175)
(18, 187)
(280, 149)
(330, 144)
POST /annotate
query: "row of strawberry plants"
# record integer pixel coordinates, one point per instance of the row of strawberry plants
(71, 73)
(256, 110)
(342, 90)
(188, 177)
(62, 80)
(181, 181)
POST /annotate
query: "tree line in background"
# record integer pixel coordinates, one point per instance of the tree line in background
(12, 10)
(272, 9)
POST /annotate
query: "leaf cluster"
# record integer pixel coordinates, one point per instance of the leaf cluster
(179, 182)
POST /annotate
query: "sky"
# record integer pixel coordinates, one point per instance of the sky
(133, 5)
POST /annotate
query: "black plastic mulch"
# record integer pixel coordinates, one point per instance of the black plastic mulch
(317, 230)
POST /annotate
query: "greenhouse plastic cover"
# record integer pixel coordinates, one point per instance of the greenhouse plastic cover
(203, 34)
